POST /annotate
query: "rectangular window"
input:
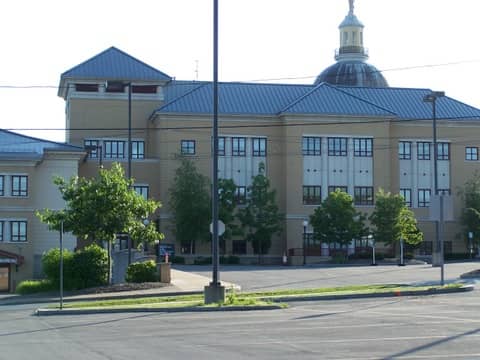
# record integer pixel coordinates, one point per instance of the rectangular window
(221, 146)
(311, 146)
(114, 149)
(239, 247)
(424, 197)
(444, 192)
(141, 190)
(86, 87)
(138, 150)
(238, 146)
(312, 195)
(363, 147)
(240, 195)
(333, 188)
(144, 89)
(92, 148)
(405, 150)
(1, 231)
(19, 185)
(2, 185)
(443, 151)
(18, 231)
(363, 195)
(423, 151)
(115, 87)
(337, 146)
(187, 147)
(471, 153)
(407, 196)
(259, 146)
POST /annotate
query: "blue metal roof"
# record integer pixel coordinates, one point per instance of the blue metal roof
(114, 64)
(322, 99)
(13, 143)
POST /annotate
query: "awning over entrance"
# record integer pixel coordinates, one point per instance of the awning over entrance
(10, 258)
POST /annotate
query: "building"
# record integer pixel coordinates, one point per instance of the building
(27, 168)
(358, 136)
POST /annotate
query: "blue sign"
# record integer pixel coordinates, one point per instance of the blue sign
(164, 249)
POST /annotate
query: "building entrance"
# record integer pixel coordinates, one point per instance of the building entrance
(4, 278)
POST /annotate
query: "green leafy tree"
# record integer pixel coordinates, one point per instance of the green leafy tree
(392, 221)
(260, 217)
(336, 220)
(226, 208)
(470, 217)
(99, 208)
(190, 205)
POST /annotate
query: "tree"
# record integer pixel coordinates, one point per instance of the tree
(393, 220)
(260, 217)
(337, 221)
(470, 217)
(226, 208)
(100, 208)
(190, 205)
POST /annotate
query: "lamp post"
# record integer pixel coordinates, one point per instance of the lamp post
(371, 241)
(470, 244)
(119, 86)
(432, 98)
(91, 149)
(305, 224)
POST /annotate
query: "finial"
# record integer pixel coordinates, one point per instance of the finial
(352, 6)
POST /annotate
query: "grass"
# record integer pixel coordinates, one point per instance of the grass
(263, 298)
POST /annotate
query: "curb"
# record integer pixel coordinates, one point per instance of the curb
(432, 291)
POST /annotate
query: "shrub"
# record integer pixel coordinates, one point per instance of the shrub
(51, 265)
(177, 260)
(35, 286)
(231, 260)
(202, 260)
(142, 272)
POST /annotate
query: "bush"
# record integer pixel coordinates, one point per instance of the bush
(177, 260)
(458, 256)
(35, 286)
(142, 272)
(202, 260)
(231, 260)
(82, 269)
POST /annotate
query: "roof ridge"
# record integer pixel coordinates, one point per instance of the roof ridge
(296, 101)
(40, 140)
(364, 100)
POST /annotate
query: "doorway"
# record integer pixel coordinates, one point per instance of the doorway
(4, 278)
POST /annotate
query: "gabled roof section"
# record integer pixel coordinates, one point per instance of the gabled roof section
(236, 99)
(113, 64)
(26, 147)
(328, 100)
(408, 103)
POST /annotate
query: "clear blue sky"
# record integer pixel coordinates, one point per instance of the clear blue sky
(289, 40)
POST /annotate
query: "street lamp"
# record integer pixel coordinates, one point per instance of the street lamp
(92, 150)
(371, 241)
(432, 98)
(305, 224)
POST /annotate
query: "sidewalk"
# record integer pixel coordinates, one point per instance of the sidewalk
(182, 283)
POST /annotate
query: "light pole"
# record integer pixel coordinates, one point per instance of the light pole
(371, 241)
(94, 148)
(432, 98)
(116, 86)
(305, 224)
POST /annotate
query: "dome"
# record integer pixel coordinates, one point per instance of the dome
(352, 73)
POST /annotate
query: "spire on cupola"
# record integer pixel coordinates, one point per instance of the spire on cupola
(351, 38)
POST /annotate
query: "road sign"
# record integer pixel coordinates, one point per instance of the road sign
(221, 227)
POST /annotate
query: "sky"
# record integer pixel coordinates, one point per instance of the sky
(415, 43)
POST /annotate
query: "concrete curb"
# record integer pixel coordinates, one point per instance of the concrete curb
(433, 291)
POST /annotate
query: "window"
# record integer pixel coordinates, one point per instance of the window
(114, 149)
(86, 87)
(444, 191)
(471, 153)
(423, 151)
(2, 185)
(141, 190)
(311, 146)
(144, 89)
(240, 195)
(115, 87)
(238, 146)
(337, 146)
(443, 151)
(138, 149)
(363, 195)
(259, 146)
(405, 150)
(407, 196)
(312, 195)
(92, 147)
(221, 146)
(187, 147)
(333, 188)
(18, 231)
(362, 147)
(1, 231)
(19, 185)
(424, 197)
(239, 247)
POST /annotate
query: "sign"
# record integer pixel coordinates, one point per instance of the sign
(164, 249)
(221, 227)
(8, 261)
